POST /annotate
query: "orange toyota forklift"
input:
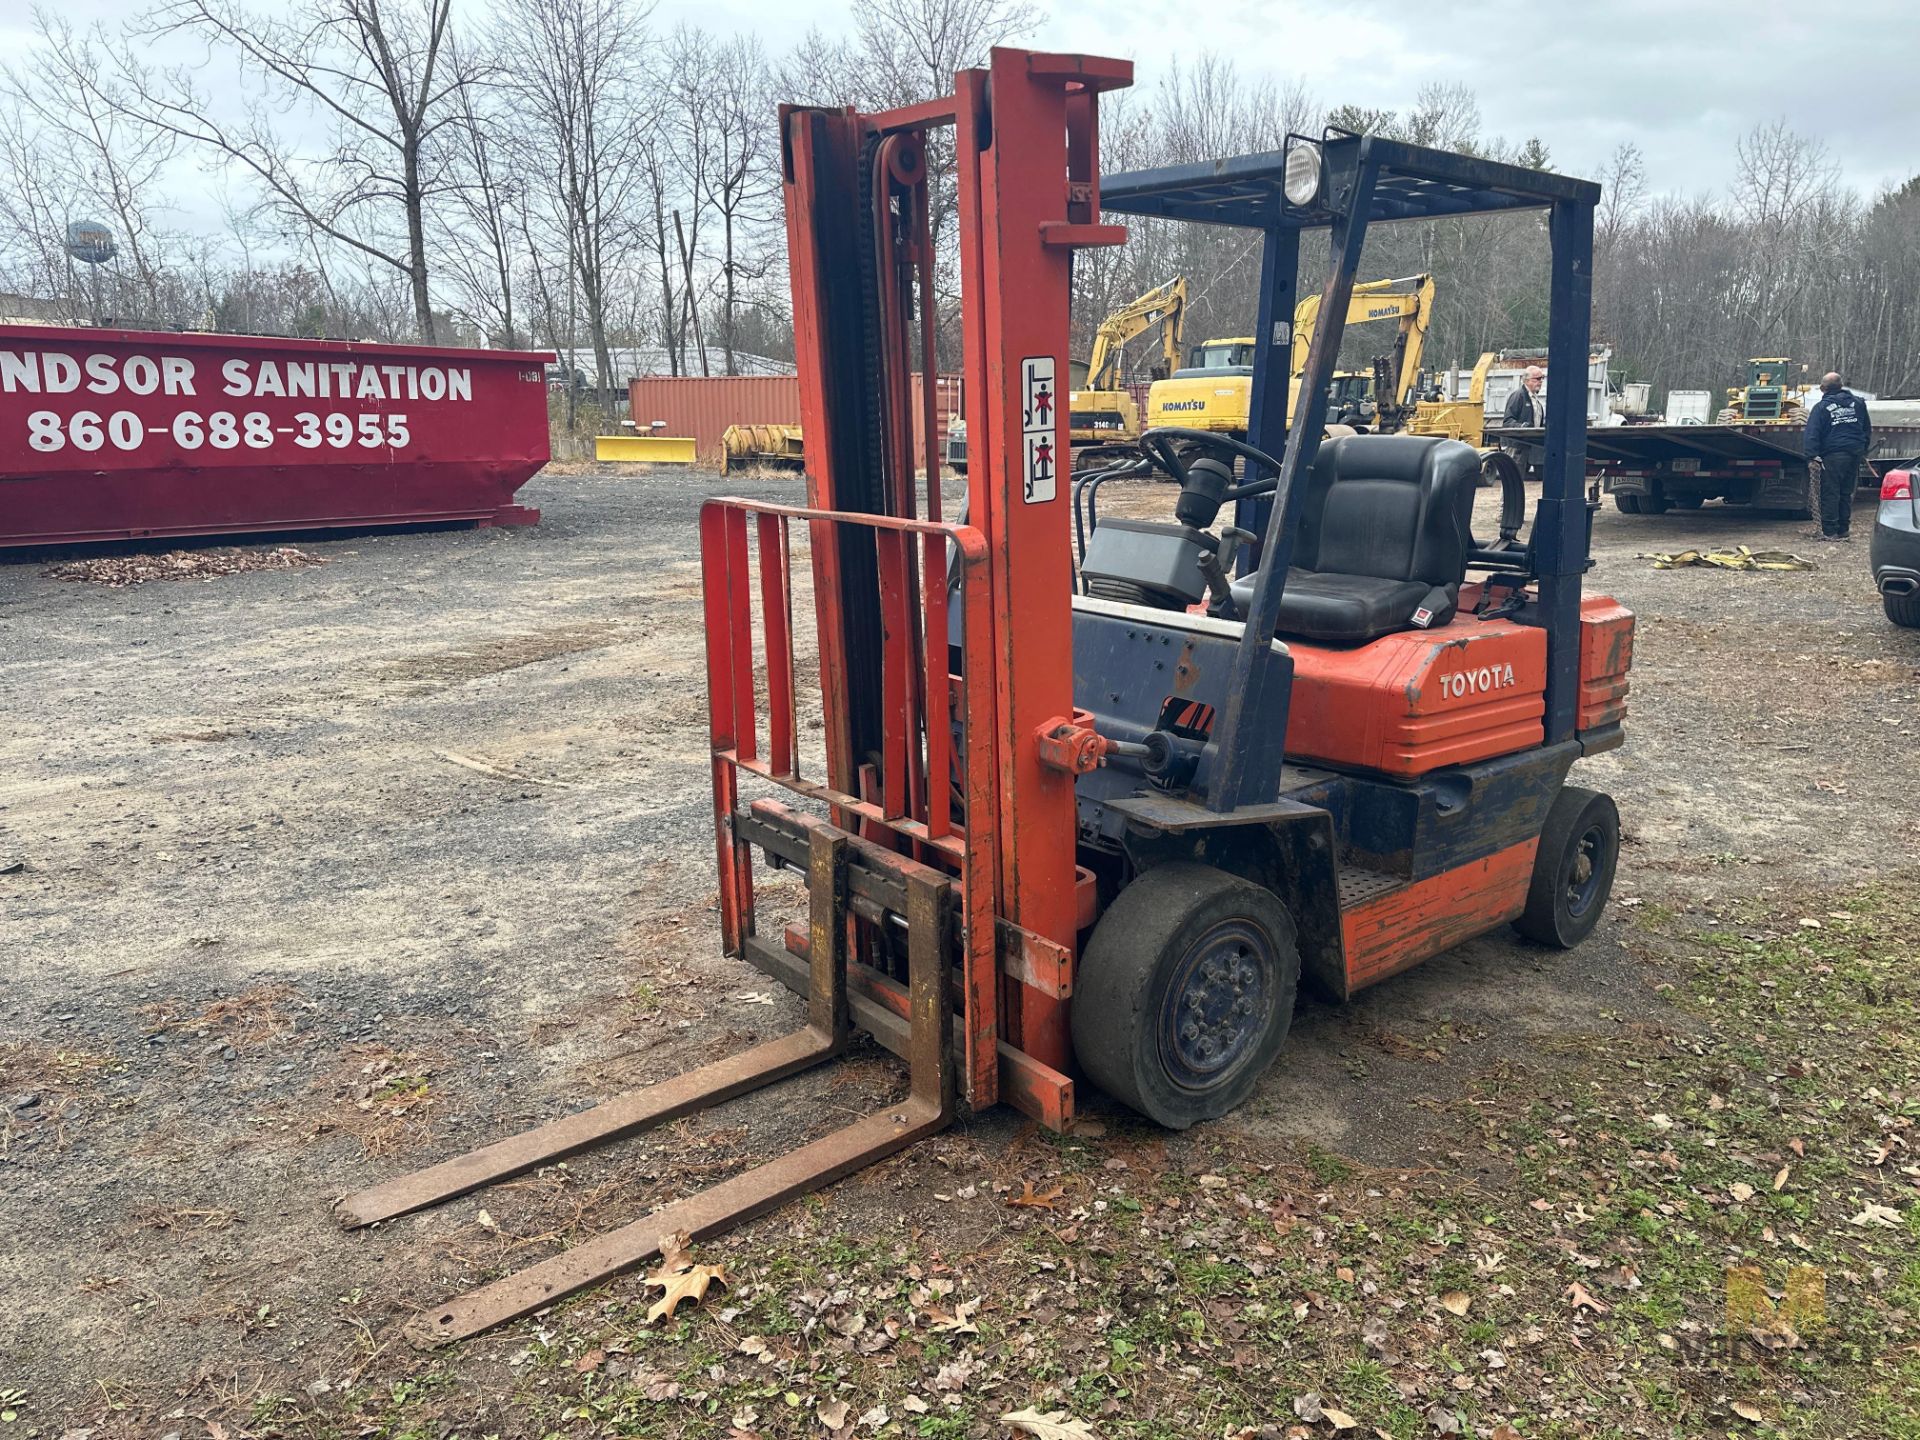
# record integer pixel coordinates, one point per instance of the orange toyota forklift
(1061, 822)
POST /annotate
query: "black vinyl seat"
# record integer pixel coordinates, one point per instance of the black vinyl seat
(1385, 527)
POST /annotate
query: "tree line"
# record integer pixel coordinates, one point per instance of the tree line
(568, 174)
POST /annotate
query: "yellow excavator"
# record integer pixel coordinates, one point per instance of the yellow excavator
(1214, 391)
(1104, 413)
(1463, 420)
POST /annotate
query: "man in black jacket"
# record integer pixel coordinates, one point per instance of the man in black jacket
(1838, 434)
(1527, 406)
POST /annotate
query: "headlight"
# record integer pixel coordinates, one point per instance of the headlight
(1301, 184)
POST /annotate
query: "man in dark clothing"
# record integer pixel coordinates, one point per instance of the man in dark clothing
(1526, 406)
(1838, 434)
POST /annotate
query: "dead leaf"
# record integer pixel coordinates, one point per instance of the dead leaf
(1028, 1199)
(1308, 1406)
(1504, 1431)
(1051, 1425)
(833, 1416)
(590, 1361)
(914, 1405)
(1455, 1302)
(1741, 1191)
(1747, 1410)
(1579, 1298)
(689, 1283)
(1877, 1215)
(960, 1322)
(1799, 1147)
(1780, 1177)
(1339, 1419)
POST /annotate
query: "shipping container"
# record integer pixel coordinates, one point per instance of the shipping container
(701, 407)
(119, 434)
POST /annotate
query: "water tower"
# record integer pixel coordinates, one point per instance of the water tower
(92, 244)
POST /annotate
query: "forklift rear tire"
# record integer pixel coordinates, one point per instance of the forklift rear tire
(1185, 993)
(1572, 869)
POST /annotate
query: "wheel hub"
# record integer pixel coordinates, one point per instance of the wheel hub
(1218, 1004)
(1583, 874)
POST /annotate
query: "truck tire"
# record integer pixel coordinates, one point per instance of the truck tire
(1903, 610)
(1572, 869)
(1185, 993)
(1627, 504)
(1689, 502)
(1655, 503)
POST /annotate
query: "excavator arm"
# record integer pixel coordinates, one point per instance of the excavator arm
(1164, 305)
(1378, 300)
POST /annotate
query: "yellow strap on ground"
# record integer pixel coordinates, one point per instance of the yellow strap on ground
(1738, 558)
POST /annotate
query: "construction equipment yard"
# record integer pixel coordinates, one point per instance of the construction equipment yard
(323, 872)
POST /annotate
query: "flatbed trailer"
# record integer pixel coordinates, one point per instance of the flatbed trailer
(1650, 469)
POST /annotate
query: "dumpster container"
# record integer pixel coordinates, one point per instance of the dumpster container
(117, 434)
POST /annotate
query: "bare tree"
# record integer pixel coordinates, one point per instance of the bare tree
(476, 234)
(91, 153)
(575, 71)
(743, 181)
(371, 70)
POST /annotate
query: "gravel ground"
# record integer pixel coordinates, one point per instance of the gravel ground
(308, 875)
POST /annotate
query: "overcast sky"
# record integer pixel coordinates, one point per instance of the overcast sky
(1683, 80)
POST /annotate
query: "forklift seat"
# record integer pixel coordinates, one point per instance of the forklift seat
(1385, 527)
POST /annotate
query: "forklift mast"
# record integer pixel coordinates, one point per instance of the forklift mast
(1024, 139)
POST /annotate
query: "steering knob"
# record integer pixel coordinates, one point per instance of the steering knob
(1202, 492)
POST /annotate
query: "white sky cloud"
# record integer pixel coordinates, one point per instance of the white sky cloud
(1684, 81)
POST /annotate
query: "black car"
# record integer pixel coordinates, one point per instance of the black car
(1895, 554)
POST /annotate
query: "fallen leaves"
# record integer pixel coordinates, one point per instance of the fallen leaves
(118, 572)
(959, 1321)
(1747, 1410)
(1048, 1425)
(1030, 1199)
(833, 1415)
(1581, 1299)
(681, 1279)
(1456, 1302)
(1875, 1214)
(1312, 1409)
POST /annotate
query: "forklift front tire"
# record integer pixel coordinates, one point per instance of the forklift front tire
(1185, 993)
(1572, 869)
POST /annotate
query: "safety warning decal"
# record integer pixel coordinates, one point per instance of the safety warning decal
(1039, 432)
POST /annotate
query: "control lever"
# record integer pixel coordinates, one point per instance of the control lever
(1213, 569)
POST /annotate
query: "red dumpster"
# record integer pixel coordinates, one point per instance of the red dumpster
(110, 434)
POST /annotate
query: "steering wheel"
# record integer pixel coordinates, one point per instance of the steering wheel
(1158, 445)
